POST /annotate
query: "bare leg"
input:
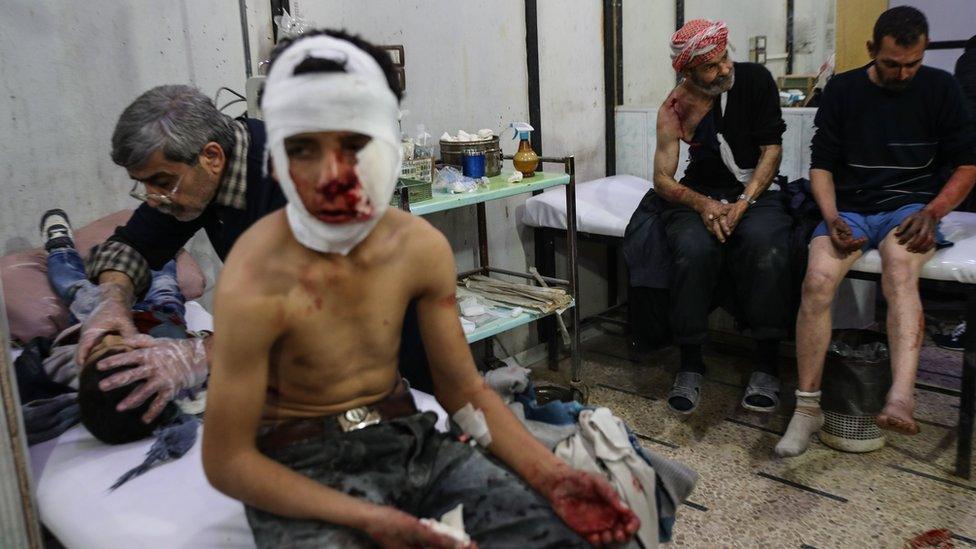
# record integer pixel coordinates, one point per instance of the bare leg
(906, 330)
(825, 271)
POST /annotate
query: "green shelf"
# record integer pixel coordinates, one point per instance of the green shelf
(498, 187)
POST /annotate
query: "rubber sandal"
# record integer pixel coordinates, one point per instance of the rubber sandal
(687, 386)
(762, 384)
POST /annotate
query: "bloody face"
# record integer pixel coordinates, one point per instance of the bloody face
(895, 64)
(323, 168)
(714, 77)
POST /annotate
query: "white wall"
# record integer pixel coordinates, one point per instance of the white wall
(647, 28)
(68, 71)
(747, 18)
(813, 34)
(948, 20)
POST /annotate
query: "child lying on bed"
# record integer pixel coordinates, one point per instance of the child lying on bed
(104, 384)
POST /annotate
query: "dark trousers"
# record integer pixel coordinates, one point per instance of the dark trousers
(749, 274)
(407, 464)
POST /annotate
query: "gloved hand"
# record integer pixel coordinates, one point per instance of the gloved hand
(112, 314)
(167, 366)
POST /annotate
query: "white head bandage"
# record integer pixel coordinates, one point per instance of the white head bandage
(358, 100)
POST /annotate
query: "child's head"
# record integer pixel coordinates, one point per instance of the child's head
(98, 411)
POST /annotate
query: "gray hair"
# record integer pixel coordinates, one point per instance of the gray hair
(178, 119)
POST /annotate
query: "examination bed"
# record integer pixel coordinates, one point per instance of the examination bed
(170, 506)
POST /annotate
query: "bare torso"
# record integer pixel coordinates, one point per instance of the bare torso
(340, 316)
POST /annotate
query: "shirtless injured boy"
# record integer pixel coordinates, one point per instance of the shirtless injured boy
(308, 422)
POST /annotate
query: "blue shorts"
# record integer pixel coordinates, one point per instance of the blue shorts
(877, 226)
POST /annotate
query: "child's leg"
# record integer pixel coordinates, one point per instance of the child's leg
(66, 273)
(164, 293)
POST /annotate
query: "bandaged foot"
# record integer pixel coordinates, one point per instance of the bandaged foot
(807, 420)
(897, 416)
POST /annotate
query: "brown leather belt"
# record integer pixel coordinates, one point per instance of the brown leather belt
(399, 403)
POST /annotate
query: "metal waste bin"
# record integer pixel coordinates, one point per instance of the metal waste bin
(857, 376)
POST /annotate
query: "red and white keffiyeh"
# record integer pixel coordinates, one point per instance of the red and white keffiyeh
(697, 41)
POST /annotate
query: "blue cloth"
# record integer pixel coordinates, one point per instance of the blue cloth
(66, 273)
(172, 441)
(164, 293)
(555, 412)
(877, 226)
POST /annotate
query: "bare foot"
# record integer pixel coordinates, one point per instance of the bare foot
(897, 416)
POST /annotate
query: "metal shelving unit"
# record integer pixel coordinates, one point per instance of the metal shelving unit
(500, 188)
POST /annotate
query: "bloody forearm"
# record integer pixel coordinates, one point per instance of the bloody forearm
(676, 193)
(954, 192)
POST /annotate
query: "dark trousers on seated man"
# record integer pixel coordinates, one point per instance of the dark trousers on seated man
(748, 274)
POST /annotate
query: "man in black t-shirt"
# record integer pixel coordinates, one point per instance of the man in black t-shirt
(888, 135)
(726, 221)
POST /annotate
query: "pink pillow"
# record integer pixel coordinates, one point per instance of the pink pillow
(34, 310)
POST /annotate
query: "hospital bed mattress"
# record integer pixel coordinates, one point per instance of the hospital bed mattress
(603, 206)
(171, 506)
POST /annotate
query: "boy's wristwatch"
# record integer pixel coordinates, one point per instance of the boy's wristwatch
(743, 196)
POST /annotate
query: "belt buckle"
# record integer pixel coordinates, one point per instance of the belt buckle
(357, 418)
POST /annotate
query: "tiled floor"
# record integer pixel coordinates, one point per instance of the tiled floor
(747, 497)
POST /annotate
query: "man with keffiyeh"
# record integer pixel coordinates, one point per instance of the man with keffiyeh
(726, 220)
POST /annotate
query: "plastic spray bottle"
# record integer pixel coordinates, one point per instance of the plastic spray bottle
(526, 160)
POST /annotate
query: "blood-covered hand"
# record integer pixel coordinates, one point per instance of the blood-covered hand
(590, 506)
(167, 366)
(712, 213)
(842, 237)
(917, 232)
(397, 529)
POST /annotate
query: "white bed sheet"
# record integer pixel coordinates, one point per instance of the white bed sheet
(171, 506)
(603, 206)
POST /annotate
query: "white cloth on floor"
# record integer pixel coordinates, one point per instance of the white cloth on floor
(602, 446)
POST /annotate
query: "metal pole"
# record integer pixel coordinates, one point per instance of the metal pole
(967, 400)
(482, 238)
(18, 511)
(574, 348)
(242, 5)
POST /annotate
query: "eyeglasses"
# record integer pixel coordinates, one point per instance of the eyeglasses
(166, 198)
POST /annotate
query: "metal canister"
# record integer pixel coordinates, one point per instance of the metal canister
(473, 163)
(452, 154)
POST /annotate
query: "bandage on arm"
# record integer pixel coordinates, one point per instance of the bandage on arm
(954, 192)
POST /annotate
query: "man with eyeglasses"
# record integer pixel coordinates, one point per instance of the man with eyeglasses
(193, 168)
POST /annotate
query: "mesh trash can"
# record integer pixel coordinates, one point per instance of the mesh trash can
(857, 376)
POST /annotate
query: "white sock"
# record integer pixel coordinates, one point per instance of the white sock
(806, 421)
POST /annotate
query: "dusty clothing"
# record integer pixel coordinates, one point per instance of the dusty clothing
(406, 463)
(749, 275)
